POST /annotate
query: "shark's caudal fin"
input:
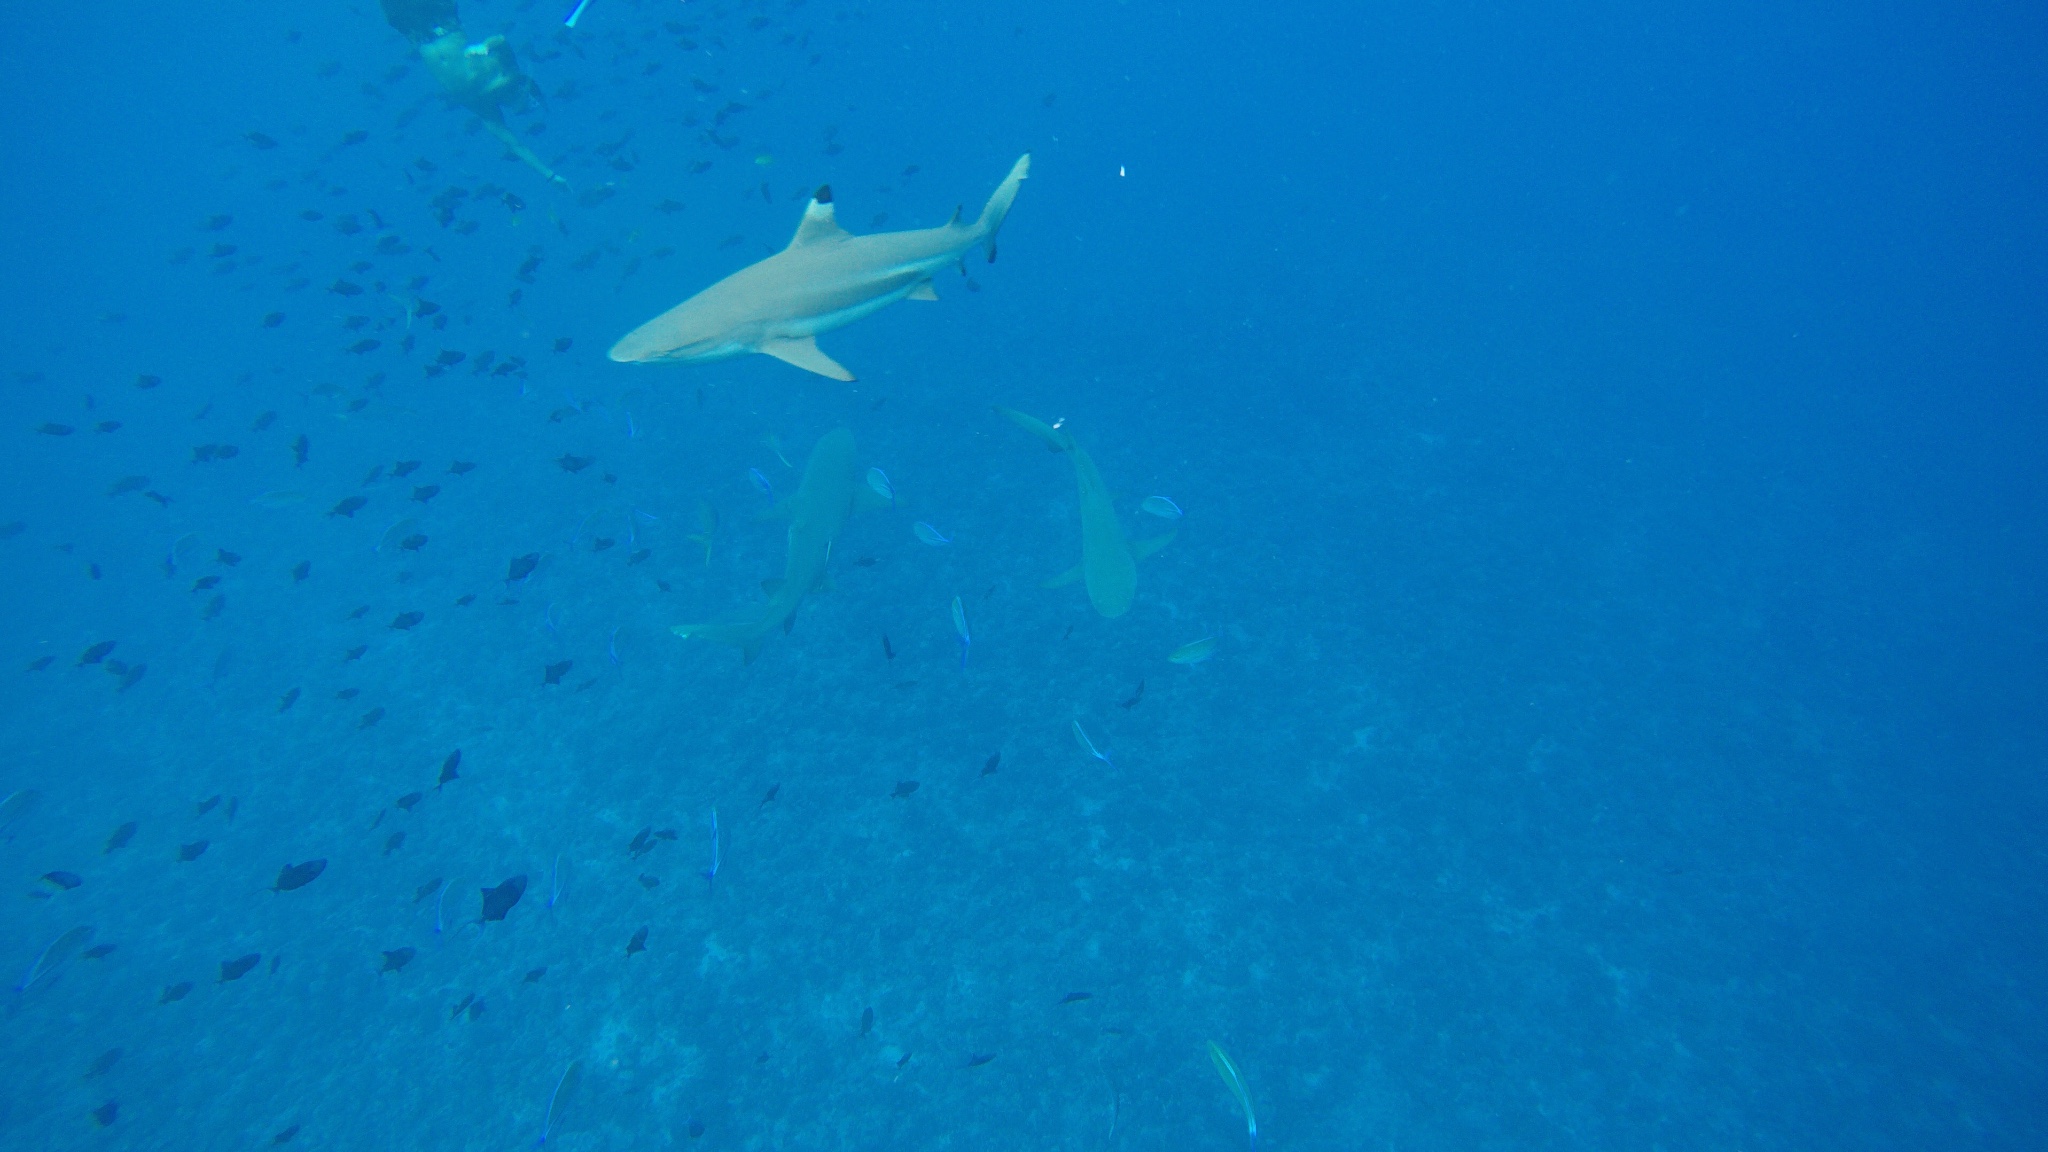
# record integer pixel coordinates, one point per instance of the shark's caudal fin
(998, 205)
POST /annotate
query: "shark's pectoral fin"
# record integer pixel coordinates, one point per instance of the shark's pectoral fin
(788, 622)
(1070, 576)
(804, 354)
(1143, 548)
(923, 291)
(750, 651)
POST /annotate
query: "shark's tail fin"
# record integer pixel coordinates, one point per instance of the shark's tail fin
(998, 205)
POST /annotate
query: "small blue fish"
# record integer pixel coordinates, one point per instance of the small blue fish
(879, 481)
(960, 626)
(632, 433)
(930, 535)
(761, 482)
(612, 649)
(555, 881)
(711, 874)
(1161, 507)
(571, 23)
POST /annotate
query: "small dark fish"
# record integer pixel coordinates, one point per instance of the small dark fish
(499, 900)
(638, 943)
(396, 960)
(355, 653)
(298, 875)
(206, 805)
(105, 1113)
(96, 653)
(426, 492)
(464, 600)
(272, 319)
(348, 507)
(533, 976)
(102, 1062)
(668, 834)
(904, 788)
(301, 448)
(344, 288)
(214, 607)
(461, 468)
(643, 842)
(448, 769)
(359, 613)
(407, 621)
(557, 670)
(977, 1059)
(62, 880)
(146, 381)
(1076, 997)
(649, 882)
(427, 889)
(285, 702)
(404, 803)
(770, 797)
(98, 952)
(573, 463)
(696, 1129)
(301, 570)
(190, 852)
(370, 719)
(263, 143)
(285, 1137)
(107, 426)
(989, 767)
(120, 837)
(173, 993)
(867, 1021)
(1135, 697)
(56, 429)
(239, 967)
(393, 844)
(348, 693)
(40, 663)
(522, 567)
(563, 343)
(226, 558)
(888, 650)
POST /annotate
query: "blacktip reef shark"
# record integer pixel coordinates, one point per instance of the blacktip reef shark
(1109, 563)
(831, 490)
(827, 278)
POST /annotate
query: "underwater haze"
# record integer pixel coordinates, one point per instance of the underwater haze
(1466, 576)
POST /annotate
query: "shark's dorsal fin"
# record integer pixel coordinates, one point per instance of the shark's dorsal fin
(819, 224)
(805, 355)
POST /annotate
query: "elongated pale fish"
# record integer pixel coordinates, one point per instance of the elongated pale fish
(564, 1088)
(960, 626)
(930, 535)
(1088, 746)
(571, 23)
(1161, 507)
(1235, 1083)
(17, 805)
(711, 874)
(1193, 652)
(879, 481)
(56, 956)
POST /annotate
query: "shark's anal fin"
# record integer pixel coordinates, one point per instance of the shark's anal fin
(924, 291)
(805, 355)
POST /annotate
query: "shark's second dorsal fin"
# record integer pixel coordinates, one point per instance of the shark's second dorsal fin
(819, 223)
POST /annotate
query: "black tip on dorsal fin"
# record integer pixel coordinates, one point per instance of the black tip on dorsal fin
(824, 194)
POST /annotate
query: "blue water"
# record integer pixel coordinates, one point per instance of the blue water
(1610, 442)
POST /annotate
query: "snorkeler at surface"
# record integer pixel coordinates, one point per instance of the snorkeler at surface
(482, 77)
